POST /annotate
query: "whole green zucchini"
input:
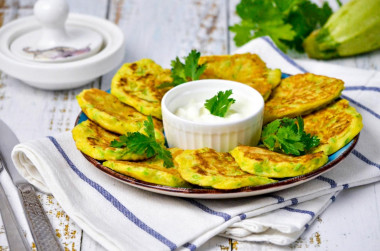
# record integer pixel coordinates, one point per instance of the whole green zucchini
(353, 29)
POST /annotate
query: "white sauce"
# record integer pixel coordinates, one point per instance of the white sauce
(197, 112)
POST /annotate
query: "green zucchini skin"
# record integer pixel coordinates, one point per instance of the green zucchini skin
(352, 30)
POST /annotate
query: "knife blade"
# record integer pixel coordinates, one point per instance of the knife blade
(42, 231)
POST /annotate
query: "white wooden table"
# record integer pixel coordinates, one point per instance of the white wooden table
(162, 30)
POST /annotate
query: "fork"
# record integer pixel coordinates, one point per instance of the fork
(15, 236)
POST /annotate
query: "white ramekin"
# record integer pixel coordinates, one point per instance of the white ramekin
(221, 136)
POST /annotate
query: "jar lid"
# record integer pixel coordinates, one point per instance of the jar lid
(55, 41)
(78, 49)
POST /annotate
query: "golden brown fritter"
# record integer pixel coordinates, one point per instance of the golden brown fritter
(151, 170)
(244, 68)
(113, 115)
(263, 162)
(135, 84)
(301, 94)
(95, 142)
(206, 167)
(335, 126)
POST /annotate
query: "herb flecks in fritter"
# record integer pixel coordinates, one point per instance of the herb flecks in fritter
(335, 126)
(301, 94)
(206, 167)
(110, 113)
(263, 162)
(151, 170)
(136, 83)
(245, 68)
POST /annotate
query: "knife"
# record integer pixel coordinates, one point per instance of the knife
(42, 231)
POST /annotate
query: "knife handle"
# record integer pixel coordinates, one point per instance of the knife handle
(42, 231)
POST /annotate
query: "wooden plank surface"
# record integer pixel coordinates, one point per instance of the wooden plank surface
(162, 30)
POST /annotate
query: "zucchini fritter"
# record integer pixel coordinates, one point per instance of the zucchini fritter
(94, 141)
(151, 170)
(113, 115)
(335, 126)
(135, 84)
(263, 162)
(301, 94)
(244, 68)
(206, 167)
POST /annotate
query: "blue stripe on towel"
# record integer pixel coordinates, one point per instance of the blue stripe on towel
(190, 246)
(242, 216)
(290, 209)
(333, 198)
(365, 159)
(294, 201)
(307, 226)
(117, 204)
(346, 186)
(290, 61)
(362, 88)
(206, 209)
(277, 197)
(361, 106)
(328, 180)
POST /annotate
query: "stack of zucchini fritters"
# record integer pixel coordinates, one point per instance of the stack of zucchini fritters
(134, 96)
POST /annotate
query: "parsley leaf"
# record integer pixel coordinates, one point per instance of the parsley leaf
(139, 143)
(220, 103)
(287, 22)
(120, 144)
(288, 136)
(185, 72)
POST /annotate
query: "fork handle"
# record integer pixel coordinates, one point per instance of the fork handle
(14, 233)
(42, 230)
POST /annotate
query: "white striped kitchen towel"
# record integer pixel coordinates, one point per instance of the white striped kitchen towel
(121, 217)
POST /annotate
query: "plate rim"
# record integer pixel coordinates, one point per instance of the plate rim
(221, 193)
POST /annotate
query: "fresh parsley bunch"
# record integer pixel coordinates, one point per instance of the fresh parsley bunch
(287, 22)
(138, 143)
(185, 72)
(220, 103)
(287, 135)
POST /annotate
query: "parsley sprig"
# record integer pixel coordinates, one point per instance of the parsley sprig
(287, 22)
(138, 143)
(220, 103)
(185, 72)
(287, 135)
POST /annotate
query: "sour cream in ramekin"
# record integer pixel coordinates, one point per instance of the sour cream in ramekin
(197, 112)
(188, 125)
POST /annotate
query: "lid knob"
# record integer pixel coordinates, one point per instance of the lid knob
(52, 15)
